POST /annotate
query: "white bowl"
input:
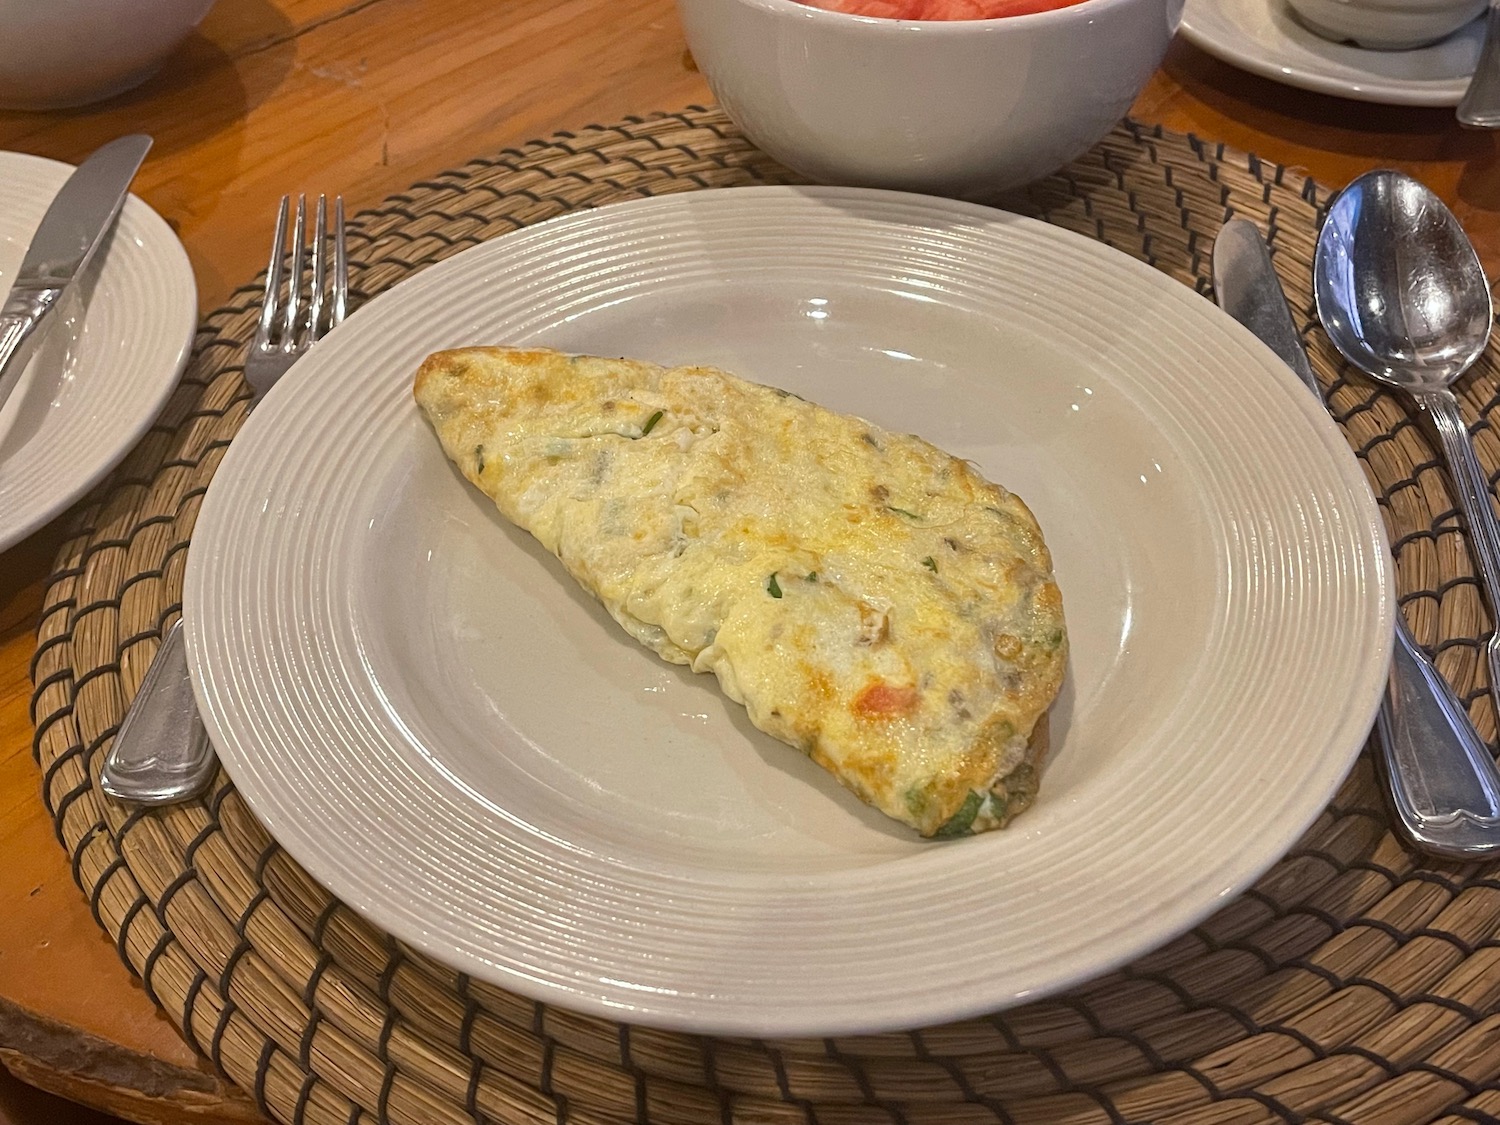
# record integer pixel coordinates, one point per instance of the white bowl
(963, 106)
(1386, 25)
(59, 53)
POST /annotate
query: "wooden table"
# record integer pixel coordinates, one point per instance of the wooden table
(364, 97)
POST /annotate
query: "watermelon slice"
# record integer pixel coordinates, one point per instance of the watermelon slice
(941, 9)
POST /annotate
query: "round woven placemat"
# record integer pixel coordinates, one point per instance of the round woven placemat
(1354, 983)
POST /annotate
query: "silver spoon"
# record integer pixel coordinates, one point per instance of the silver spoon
(1480, 107)
(1404, 298)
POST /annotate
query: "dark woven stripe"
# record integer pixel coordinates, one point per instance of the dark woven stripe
(299, 1111)
(60, 813)
(711, 1080)
(309, 1033)
(262, 1067)
(783, 1083)
(263, 860)
(321, 922)
(1469, 1088)
(867, 1094)
(65, 712)
(559, 1102)
(250, 908)
(133, 818)
(471, 1092)
(189, 1004)
(226, 978)
(216, 1043)
(471, 1012)
(123, 937)
(97, 891)
(642, 1115)
(161, 946)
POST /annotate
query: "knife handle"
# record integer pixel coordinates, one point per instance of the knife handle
(19, 316)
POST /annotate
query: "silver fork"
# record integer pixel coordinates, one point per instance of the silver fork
(161, 753)
(279, 345)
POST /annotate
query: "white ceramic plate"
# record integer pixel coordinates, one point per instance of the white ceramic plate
(455, 739)
(104, 368)
(1263, 37)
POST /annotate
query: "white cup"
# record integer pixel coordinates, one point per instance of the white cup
(1386, 25)
(943, 106)
(60, 53)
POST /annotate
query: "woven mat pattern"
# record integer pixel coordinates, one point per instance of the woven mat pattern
(1354, 983)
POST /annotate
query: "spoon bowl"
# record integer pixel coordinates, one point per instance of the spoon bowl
(1399, 286)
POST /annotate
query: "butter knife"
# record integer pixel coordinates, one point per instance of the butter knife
(76, 222)
(1443, 784)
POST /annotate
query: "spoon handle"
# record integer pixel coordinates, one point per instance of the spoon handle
(1473, 489)
(1444, 786)
(1480, 107)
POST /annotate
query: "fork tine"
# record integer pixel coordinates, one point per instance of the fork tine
(319, 270)
(272, 298)
(294, 277)
(340, 263)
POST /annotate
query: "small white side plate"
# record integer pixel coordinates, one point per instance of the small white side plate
(104, 368)
(1263, 37)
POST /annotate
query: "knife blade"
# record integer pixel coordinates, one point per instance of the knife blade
(74, 226)
(1248, 289)
(1442, 783)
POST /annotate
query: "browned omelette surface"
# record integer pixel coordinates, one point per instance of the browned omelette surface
(869, 598)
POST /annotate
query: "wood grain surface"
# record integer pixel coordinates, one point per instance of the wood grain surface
(364, 97)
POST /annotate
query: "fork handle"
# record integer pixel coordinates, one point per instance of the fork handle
(161, 753)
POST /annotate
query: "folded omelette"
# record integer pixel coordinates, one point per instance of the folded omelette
(870, 599)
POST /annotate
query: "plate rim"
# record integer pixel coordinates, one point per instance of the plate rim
(109, 455)
(1380, 576)
(1382, 91)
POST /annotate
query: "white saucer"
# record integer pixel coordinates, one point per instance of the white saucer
(102, 372)
(1263, 37)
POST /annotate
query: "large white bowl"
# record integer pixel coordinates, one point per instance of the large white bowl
(60, 53)
(1387, 24)
(944, 106)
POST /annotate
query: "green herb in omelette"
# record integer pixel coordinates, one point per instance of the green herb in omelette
(773, 587)
(961, 823)
(651, 423)
(929, 564)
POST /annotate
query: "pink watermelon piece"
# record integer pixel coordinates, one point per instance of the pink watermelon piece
(941, 9)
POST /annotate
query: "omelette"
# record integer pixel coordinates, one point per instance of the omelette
(869, 599)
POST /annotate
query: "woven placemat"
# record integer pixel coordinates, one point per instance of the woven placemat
(1354, 983)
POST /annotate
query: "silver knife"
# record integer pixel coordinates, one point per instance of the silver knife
(1444, 787)
(76, 222)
